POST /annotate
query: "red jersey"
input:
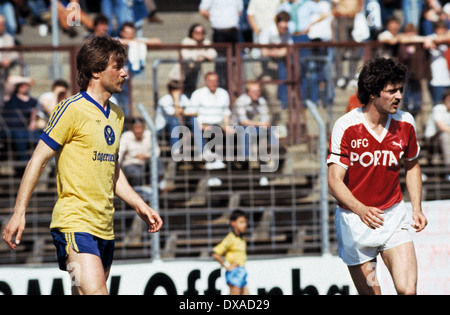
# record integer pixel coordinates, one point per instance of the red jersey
(373, 162)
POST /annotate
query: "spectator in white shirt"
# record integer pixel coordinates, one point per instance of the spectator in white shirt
(438, 125)
(316, 82)
(439, 68)
(261, 13)
(49, 100)
(392, 32)
(135, 152)
(224, 16)
(251, 108)
(173, 110)
(212, 104)
(252, 113)
(278, 33)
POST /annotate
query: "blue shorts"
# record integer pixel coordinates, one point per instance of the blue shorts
(82, 243)
(237, 277)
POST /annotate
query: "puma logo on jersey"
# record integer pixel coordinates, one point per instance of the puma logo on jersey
(378, 157)
(398, 144)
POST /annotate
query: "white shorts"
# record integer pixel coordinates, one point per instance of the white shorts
(359, 244)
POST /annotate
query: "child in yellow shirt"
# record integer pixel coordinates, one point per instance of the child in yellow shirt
(234, 248)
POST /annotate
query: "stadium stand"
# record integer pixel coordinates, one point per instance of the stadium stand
(284, 214)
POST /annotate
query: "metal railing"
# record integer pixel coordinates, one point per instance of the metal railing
(156, 251)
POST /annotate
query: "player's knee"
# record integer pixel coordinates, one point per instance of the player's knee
(406, 286)
(92, 290)
(407, 290)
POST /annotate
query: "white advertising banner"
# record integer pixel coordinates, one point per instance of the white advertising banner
(289, 276)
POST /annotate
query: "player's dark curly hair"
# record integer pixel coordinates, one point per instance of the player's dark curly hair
(376, 74)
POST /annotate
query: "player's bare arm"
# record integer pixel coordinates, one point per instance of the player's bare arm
(414, 187)
(16, 225)
(370, 216)
(124, 191)
(221, 261)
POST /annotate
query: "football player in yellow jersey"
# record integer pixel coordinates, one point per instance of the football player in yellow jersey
(83, 132)
(234, 248)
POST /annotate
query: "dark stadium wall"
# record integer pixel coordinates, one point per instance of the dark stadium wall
(177, 5)
(163, 5)
(171, 5)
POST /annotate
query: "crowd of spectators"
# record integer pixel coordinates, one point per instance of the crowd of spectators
(23, 117)
(415, 31)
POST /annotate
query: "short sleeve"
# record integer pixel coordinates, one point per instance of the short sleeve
(60, 127)
(413, 149)
(223, 246)
(339, 153)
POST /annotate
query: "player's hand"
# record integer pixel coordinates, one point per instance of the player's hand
(151, 218)
(420, 221)
(372, 217)
(15, 226)
(232, 266)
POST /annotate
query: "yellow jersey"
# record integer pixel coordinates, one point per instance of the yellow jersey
(234, 248)
(86, 138)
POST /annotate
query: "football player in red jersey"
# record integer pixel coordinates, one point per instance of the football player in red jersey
(367, 148)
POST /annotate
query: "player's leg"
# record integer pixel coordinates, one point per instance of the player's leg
(401, 262)
(87, 273)
(365, 278)
(234, 290)
(237, 281)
